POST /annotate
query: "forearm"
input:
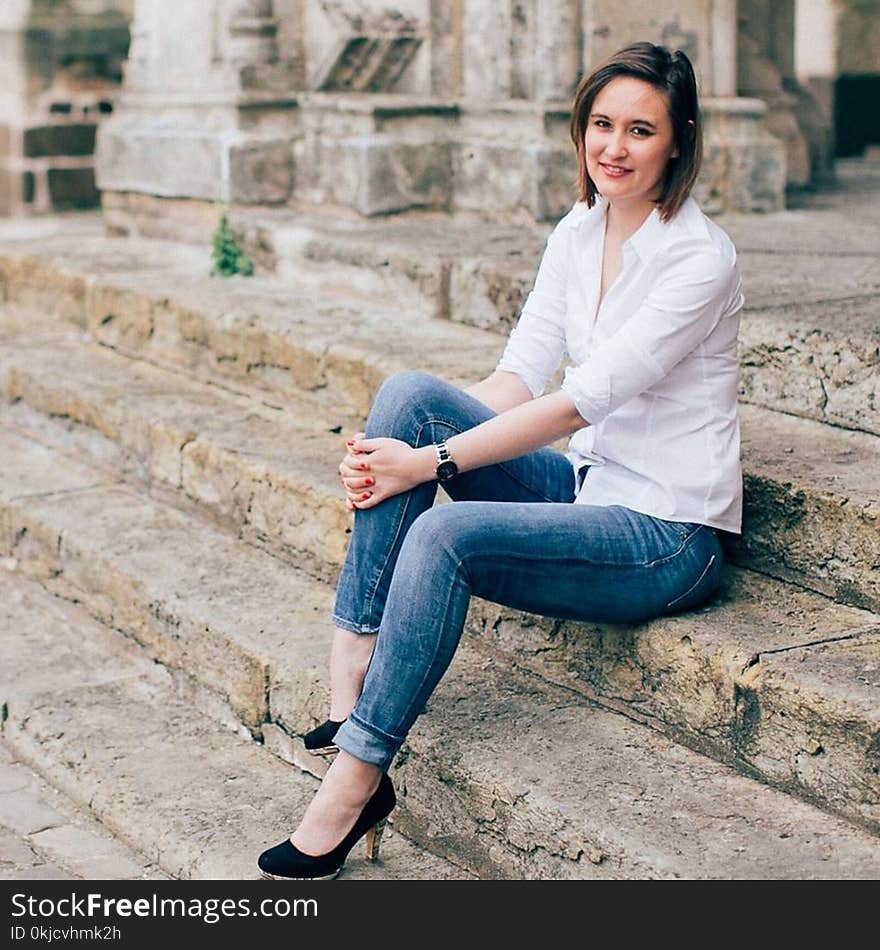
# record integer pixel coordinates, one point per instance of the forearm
(500, 391)
(517, 431)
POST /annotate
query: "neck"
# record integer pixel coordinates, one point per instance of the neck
(625, 218)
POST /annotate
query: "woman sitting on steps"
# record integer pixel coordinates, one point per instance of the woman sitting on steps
(642, 291)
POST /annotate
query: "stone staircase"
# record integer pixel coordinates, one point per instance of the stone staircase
(171, 524)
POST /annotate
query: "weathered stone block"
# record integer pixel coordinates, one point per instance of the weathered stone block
(488, 51)
(193, 156)
(260, 172)
(177, 219)
(744, 165)
(487, 297)
(135, 156)
(377, 175)
(25, 813)
(44, 290)
(69, 139)
(90, 856)
(507, 178)
(683, 24)
(554, 177)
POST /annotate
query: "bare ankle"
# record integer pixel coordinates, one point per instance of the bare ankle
(349, 658)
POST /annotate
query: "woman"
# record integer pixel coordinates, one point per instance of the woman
(643, 292)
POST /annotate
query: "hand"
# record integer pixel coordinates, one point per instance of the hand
(376, 469)
(356, 481)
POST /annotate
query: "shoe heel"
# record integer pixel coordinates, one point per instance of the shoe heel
(373, 839)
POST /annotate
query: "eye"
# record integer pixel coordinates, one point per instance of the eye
(642, 132)
(602, 123)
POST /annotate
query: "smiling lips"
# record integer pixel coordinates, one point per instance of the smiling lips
(614, 171)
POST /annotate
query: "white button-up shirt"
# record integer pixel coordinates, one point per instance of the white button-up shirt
(653, 369)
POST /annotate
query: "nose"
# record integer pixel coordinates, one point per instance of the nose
(615, 145)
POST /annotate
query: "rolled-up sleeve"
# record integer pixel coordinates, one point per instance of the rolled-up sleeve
(537, 343)
(696, 289)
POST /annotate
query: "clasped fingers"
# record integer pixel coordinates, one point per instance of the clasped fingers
(354, 476)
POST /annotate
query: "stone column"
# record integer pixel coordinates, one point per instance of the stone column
(815, 50)
(557, 50)
(722, 52)
(766, 71)
(252, 31)
(521, 49)
(59, 76)
(487, 54)
(207, 111)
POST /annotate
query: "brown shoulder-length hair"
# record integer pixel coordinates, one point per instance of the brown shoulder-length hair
(670, 72)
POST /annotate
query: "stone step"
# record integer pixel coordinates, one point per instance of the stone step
(472, 272)
(778, 682)
(809, 337)
(812, 503)
(537, 786)
(118, 734)
(268, 474)
(820, 359)
(810, 334)
(257, 331)
(44, 836)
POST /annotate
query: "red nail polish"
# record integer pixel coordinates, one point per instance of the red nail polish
(365, 497)
(350, 442)
(369, 481)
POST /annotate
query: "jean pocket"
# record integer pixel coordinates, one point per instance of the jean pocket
(700, 590)
(684, 529)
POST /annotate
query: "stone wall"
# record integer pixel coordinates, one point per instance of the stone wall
(451, 105)
(767, 71)
(60, 70)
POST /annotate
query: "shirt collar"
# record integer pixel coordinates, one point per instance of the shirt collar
(652, 235)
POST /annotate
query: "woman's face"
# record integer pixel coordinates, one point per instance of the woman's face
(629, 141)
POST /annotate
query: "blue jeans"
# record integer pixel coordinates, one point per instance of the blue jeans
(513, 537)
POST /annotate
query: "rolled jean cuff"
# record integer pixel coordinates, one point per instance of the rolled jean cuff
(366, 745)
(351, 626)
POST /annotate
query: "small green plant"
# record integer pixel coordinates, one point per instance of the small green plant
(228, 257)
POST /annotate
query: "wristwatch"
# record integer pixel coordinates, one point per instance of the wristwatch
(446, 467)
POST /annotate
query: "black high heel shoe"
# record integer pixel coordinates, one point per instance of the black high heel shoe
(320, 740)
(285, 862)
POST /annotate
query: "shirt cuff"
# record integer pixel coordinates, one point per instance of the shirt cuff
(594, 403)
(533, 381)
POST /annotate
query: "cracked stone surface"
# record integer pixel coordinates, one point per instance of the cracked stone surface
(270, 473)
(654, 809)
(200, 602)
(105, 725)
(45, 836)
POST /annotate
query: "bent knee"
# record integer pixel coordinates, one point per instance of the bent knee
(405, 400)
(409, 385)
(445, 529)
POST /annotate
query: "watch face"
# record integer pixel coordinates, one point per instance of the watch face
(446, 470)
